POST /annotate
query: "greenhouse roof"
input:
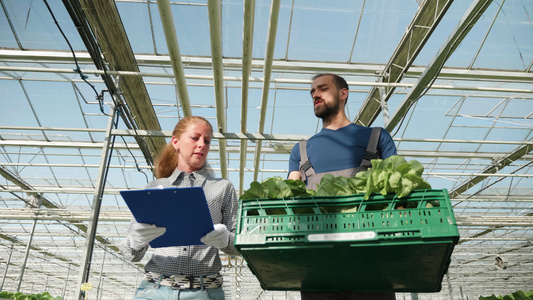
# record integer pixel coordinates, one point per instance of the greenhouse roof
(92, 89)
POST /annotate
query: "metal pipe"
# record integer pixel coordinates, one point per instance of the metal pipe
(247, 46)
(267, 71)
(7, 267)
(226, 135)
(85, 264)
(66, 282)
(276, 80)
(449, 285)
(215, 25)
(174, 52)
(100, 281)
(279, 64)
(26, 254)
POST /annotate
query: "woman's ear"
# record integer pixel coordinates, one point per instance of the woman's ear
(175, 143)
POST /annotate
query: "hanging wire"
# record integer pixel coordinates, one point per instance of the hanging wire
(134, 159)
(99, 97)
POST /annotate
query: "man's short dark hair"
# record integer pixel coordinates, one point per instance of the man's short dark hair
(339, 82)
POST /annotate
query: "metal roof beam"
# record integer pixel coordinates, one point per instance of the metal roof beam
(424, 22)
(492, 169)
(104, 19)
(30, 56)
(247, 46)
(474, 12)
(267, 71)
(522, 92)
(215, 29)
(174, 53)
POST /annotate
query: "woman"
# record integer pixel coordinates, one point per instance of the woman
(186, 272)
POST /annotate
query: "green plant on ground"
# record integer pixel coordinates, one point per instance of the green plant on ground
(21, 296)
(518, 295)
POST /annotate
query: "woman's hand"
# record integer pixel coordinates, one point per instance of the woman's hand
(219, 237)
(142, 233)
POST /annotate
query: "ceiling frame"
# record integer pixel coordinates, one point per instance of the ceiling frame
(418, 32)
(490, 223)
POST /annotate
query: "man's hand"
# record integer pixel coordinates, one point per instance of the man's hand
(295, 175)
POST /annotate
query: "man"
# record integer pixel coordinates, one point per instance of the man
(337, 149)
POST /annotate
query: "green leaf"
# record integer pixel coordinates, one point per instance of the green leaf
(417, 167)
(284, 190)
(395, 180)
(334, 186)
(256, 191)
(7, 295)
(311, 192)
(520, 295)
(404, 168)
(271, 187)
(297, 187)
(406, 188)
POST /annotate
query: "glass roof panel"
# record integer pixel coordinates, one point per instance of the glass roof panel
(139, 22)
(449, 22)
(232, 14)
(510, 39)
(383, 24)
(6, 34)
(321, 32)
(31, 22)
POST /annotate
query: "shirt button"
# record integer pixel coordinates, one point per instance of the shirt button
(184, 249)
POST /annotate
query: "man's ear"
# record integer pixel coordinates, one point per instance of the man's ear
(344, 94)
(175, 143)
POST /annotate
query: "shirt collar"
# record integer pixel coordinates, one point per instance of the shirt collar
(202, 173)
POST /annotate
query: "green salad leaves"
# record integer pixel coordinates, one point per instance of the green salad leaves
(21, 296)
(276, 187)
(391, 175)
(518, 295)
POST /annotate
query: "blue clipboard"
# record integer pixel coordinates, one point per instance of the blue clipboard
(183, 211)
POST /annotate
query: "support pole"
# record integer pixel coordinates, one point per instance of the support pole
(85, 265)
(100, 281)
(26, 254)
(449, 286)
(66, 282)
(7, 267)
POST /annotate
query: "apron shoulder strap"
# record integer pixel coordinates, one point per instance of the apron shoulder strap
(372, 148)
(306, 169)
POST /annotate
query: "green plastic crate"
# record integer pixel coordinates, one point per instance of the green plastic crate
(348, 243)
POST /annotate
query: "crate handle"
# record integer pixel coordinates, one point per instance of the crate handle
(316, 208)
(261, 211)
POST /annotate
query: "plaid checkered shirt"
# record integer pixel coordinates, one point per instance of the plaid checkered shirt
(198, 259)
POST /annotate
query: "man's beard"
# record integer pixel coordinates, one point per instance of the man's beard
(326, 112)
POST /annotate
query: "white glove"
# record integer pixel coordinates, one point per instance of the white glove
(219, 237)
(142, 233)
